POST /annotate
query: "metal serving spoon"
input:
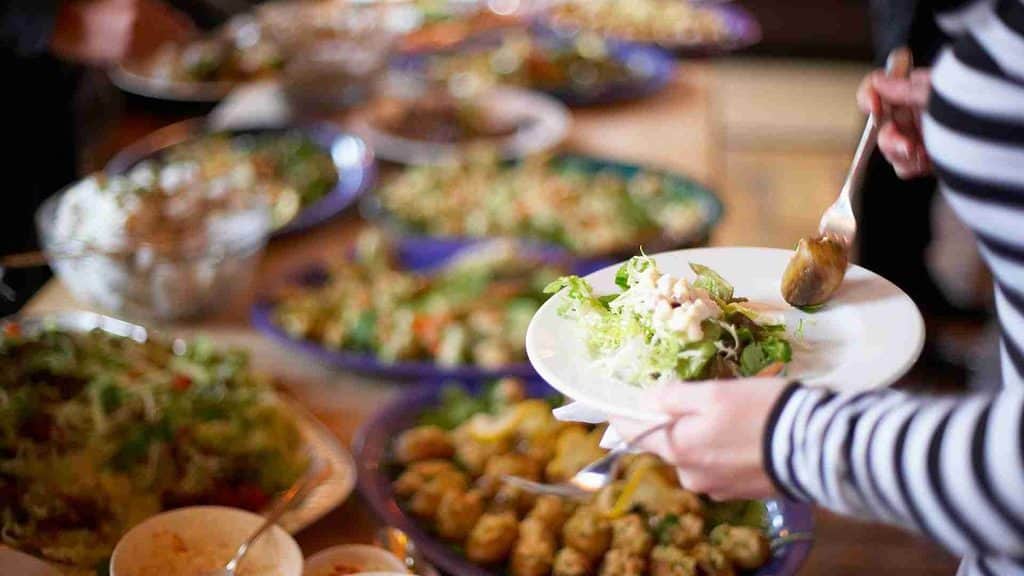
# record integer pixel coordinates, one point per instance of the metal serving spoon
(819, 264)
(282, 504)
(594, 476)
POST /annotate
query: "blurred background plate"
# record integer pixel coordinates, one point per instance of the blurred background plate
(650, 67)
(128, 78)
(372, 449)
(543, 123)
(262, 319)
(423, 247)
(334, 487)
(741, 30)
(352, 158)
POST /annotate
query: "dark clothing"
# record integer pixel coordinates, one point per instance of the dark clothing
(40, 156)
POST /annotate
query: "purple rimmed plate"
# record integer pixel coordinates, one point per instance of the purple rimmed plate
(417, 245)
(651, 68)
(262, 312)
(353, 160)
(372, 450)
(742, 30)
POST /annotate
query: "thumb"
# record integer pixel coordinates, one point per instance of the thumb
(912, 91)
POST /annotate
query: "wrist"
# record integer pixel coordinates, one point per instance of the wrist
(773, 463)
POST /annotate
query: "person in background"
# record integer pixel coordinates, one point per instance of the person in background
(44, 46)
(951, 467)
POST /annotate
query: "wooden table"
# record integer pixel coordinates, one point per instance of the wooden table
(702, 125)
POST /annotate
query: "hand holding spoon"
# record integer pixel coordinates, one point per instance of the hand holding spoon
(819, 264)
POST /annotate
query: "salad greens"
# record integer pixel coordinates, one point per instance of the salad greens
(98, 432)
(474, 310)
(659, 327)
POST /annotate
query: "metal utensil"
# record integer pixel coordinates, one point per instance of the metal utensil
(838, 222)
(398, 543)
(283, 503)
(592, 477)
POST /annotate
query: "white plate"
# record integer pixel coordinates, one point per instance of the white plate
(545, 123)
(867, 336)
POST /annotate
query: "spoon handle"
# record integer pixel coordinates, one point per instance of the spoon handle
(281, 505)
(897, 65)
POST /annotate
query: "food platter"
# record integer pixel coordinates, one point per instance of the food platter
(353, 160)
(337, 478)
(679, 189)
(542, 123)
(375, 460)
(263, 316)
(740, 30)
(649, 68)
(866, 337)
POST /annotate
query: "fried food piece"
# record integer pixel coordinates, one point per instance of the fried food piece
(588, 531)
(493, 537)
(672, 561)
(423, 443)
(427, 499)
(473, 453)
(572, 562)
(711, 561)
(680, 531)
(630, 534)
(746, 547)
(574, 449)
(513, 499)
(552, 511)
(622, 563)
(534, 552)
(511, 464)
(457, 513)
(419, 473)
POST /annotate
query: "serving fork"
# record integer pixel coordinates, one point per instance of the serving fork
(839, 222)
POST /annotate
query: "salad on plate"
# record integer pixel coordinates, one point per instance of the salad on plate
(473, 310)
(100, 431)
(660, 327)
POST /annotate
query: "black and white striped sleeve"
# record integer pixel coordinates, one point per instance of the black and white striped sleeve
(952, 468)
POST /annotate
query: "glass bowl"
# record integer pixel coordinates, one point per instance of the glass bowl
(175, 280)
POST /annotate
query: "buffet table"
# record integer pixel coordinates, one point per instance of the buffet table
(675, 130)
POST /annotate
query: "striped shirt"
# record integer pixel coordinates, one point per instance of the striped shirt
(949, 467)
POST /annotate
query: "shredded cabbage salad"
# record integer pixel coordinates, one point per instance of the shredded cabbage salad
(660, 327)
(98, 432)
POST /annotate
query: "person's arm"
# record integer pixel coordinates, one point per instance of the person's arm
(952, 468)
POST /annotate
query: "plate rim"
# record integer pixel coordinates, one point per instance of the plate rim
(552, 377)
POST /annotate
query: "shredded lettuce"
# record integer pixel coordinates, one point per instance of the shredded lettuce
(620, 332)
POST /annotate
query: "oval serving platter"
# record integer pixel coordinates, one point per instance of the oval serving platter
(373, 454)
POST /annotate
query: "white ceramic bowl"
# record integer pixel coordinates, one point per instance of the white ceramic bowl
(190, 541)
(354, 559)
